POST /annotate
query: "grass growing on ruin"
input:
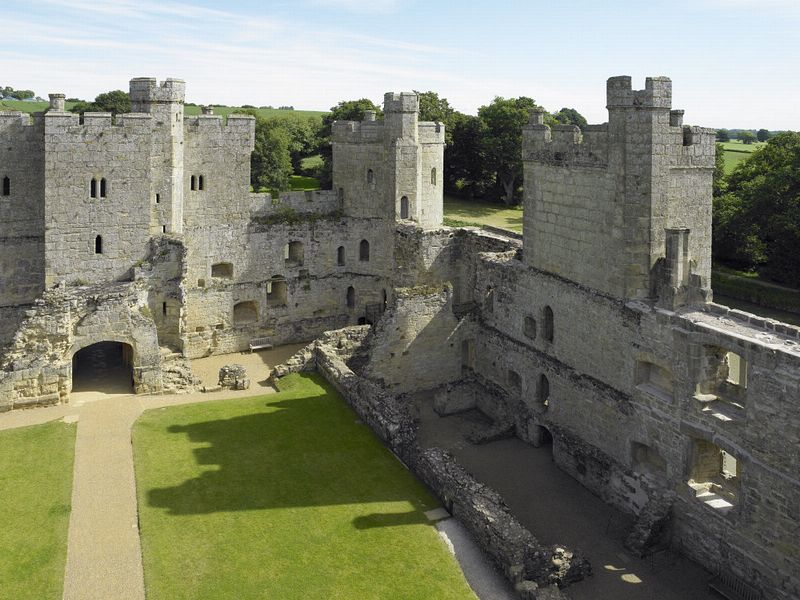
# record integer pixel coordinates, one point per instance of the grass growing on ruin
(460, 213)
(36, 491)
(282, 496)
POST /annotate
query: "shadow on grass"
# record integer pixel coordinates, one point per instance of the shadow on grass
(301, 452)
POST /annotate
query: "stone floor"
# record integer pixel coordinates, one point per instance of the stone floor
(558, 510)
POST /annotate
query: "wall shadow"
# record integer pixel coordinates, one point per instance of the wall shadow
(304, 452)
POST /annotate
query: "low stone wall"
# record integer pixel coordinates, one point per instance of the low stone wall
(537, 571)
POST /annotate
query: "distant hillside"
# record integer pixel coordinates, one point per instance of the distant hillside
(32, 107)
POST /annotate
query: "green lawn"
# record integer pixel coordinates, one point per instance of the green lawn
(736, 152)
(35, 496)
(32, 107)
(459, 213)
(282, 496)
(300, 183)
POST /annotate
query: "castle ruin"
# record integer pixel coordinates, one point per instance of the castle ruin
(596, 332)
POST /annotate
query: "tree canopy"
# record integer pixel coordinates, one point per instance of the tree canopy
(503, 121)
(116, 102)
(763, 135)
(10, 92)
(723, 135)
(757, 219)
(746, 137)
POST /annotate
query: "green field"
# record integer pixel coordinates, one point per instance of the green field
(736, 152)
(282, 496)
(36, 491)
(462, 213)
(32, 107)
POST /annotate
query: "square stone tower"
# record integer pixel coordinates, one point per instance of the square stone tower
(623, 207)
(391, 169)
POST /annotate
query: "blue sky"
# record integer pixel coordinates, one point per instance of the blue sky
(734, 63)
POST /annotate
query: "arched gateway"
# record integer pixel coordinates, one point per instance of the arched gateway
(104, 367)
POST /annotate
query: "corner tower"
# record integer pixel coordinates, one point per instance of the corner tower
(391, 169)
(164, 103)
(623, 207)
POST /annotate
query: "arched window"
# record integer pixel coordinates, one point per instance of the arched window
(543, 391)
(98, 244)
(201, 183)
(351, 297)
(370, 176)
(245, 312)
(193, 183)
(6, 186)
(93, 188)
(103, 187)
(340, 256)
(547, 324)
(433, 176)
(404, 207)
(363, 251)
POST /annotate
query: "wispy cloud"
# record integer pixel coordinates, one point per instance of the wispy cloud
(360, 6)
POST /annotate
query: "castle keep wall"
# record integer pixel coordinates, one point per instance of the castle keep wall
(21, 209)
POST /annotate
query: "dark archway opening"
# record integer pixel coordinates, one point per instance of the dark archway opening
(542, 438)
(105, 367)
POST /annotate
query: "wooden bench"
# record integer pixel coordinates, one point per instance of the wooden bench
(731, 587)
(260, 344)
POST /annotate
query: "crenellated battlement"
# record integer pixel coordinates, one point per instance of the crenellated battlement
(146, 91)
(657, 93)
(97, 123)
(404, 102)
(14, 117)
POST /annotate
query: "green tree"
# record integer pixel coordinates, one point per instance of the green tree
(718, 184)
(465, 166)
(116, 102)
(746, 137)
(723, 135)
(757, 221)
(347, 110)
(502, 142)
(271, 161)
(570, 116)
(763, 135)
(303, 140)
(436, 109)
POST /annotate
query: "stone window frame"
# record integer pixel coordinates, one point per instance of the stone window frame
(222, 270)
(370, 177)
(294, 254)
(529, 326)
(93, 188)
(98, 244)
(709, 475)
(350, 297)
(341, 256)
(433, 176)
(6, 186)
(363, 250)
(543, 391)
(104, 191)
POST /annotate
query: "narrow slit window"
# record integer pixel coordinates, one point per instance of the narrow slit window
(6, 186)
(433, 176)
(93, 188)
(370, 176)
(158, 198)
(193, 183)
(340, 256)
(404, 209)
(163, 229)
(98, 244)
(351, 297)
(164, 308)
(103, 187)
(201, 183)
